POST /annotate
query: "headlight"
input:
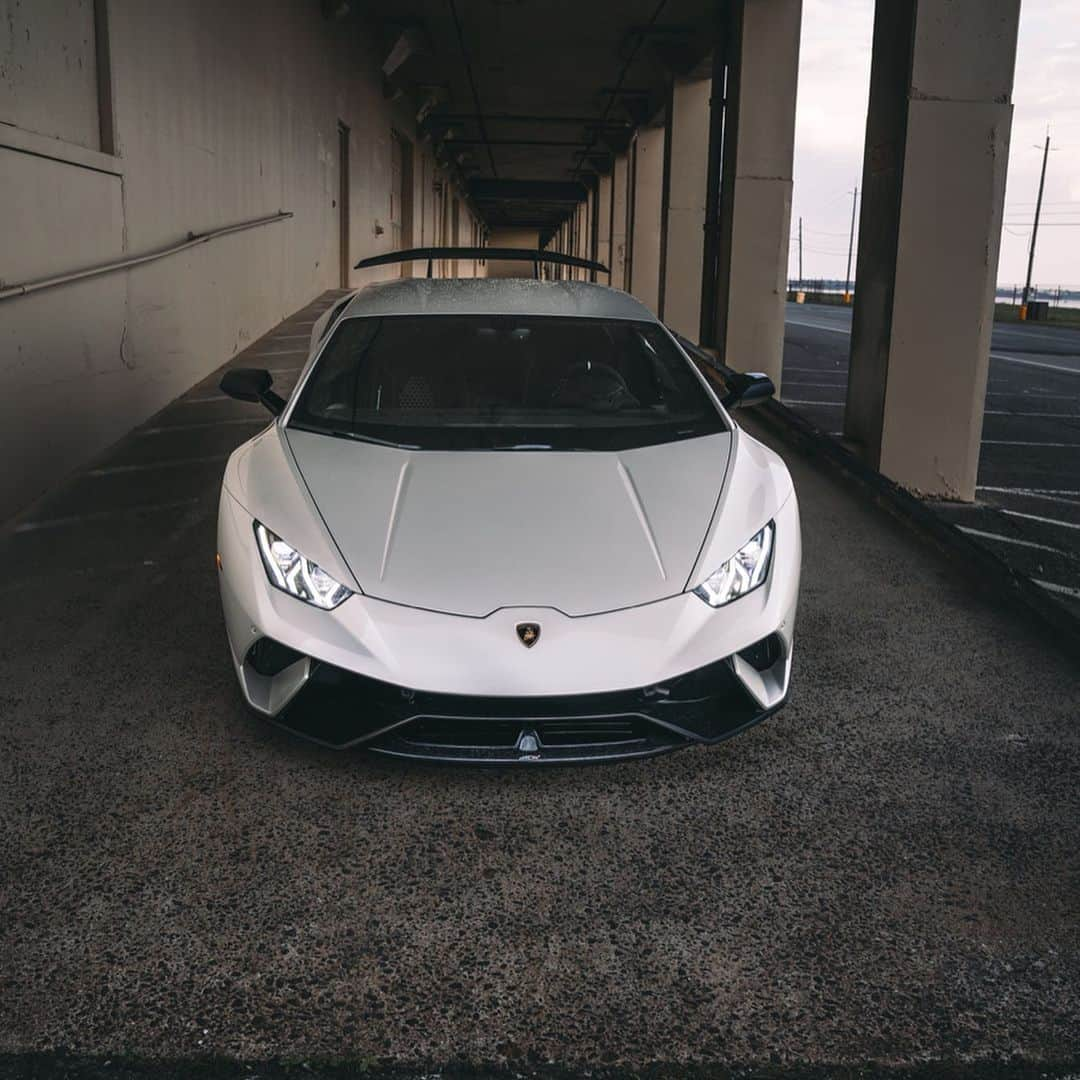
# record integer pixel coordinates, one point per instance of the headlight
(742, 573)
(289, 571)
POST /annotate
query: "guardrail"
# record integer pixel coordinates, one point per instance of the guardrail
(10, 292)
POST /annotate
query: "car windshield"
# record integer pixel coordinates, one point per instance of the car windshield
(504, 382)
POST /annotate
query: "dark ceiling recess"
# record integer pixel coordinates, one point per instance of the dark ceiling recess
(529, 101)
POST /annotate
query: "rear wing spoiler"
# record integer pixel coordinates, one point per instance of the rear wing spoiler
(536, 257)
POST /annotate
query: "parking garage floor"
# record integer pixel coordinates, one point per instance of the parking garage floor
(1027, 502)
(887, 871)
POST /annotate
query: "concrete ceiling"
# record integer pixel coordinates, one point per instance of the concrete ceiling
(529, 99)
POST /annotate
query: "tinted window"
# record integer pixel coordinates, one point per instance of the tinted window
(477, 382)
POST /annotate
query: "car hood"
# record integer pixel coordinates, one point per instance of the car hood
(468, 532)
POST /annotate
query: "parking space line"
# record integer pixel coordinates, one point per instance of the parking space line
(994, 355)
(253, 420)
(101, 515)
(1041, 520)
(1034, 415)
(147, 466)
(1054, 587)
(1009, 539)
(1035, 364)
(819, 326)
(1015, 442)
(1044, 493)
(797, 401)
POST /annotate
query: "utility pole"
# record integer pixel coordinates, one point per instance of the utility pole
(1035, 231)
(850, 248)
(800, 252)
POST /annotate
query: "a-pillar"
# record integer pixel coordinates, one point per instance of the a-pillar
(937, 142)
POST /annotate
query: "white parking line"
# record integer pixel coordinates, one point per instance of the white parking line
(1009, 539)
(1046, 494)
(797, 401)
(1042, 520)
(994, 355)
(1035, 364)
(251, 420)
(1013, 442)
(819, 326)
(1035, 415)
(1054, 587)
(147, 466)
(101, 515)
(1042, 394)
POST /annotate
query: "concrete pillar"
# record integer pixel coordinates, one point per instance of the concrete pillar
(686, 205)
(603, 221)
(511, 238)
(937, 146)
(755, 201)
(620, 187)
(648, 151)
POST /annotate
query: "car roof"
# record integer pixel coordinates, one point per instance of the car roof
(495, 296)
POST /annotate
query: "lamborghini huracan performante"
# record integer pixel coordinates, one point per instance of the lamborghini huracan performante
(502, 521)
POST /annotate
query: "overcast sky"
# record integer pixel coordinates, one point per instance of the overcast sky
(834, 76)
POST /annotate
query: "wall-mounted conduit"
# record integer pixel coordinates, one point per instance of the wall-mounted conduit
(193, 239)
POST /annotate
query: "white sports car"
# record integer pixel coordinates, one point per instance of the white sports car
(506, 521)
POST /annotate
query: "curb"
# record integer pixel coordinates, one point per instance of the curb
(978, 564)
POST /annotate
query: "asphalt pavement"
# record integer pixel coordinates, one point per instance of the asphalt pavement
(885, 872)
(1027, 506)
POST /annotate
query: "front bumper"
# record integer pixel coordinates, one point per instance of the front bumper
(424, 684)
(341, 709)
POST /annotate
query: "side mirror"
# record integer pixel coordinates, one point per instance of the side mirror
(748, 388)
(252, 384)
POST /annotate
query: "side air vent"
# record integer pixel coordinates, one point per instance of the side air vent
(269, 657)
(764, 653)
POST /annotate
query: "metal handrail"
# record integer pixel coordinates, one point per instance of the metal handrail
(193, 239)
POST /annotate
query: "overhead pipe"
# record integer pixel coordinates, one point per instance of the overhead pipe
(194, 239)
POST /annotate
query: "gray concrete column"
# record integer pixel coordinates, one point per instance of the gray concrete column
(620, 188)
(505, 237)
(603, 220)
(937, 143)
(648, 151)
(755, 202)
(686, 204)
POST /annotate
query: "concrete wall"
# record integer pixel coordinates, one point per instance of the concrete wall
(222, 113)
